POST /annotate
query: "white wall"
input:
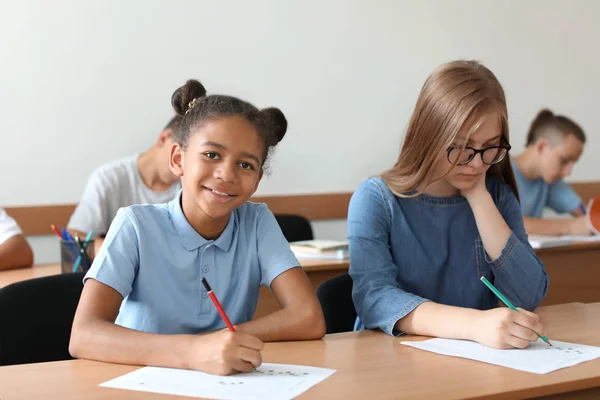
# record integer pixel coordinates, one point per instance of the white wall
(83, 82)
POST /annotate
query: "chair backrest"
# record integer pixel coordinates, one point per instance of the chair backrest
(294, 227)
(36, 317)
(335, 296)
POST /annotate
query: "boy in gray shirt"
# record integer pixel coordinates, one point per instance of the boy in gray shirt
(139, 179)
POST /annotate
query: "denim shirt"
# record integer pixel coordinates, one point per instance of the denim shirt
(405, 251)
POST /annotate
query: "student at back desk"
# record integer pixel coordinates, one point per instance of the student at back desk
(140, 179)
(14, 249)
(554, 145)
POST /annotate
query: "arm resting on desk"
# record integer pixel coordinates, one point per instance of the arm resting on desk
(15, 253)
(499, 328)
(300, 317)
(95, 336)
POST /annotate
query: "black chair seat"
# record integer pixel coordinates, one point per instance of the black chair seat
(294, 227)
(335, 296)
(36, 317)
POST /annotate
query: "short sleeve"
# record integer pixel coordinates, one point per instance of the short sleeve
(562, 198)
(91, 212)
(117, 263)
(274, 253)
(8, 227)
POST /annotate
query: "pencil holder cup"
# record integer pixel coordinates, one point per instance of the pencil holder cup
(76, 256)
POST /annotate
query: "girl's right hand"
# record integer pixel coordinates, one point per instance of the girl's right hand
(224, 352)
(503, 328)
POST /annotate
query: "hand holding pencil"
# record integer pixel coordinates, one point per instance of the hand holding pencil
(507, 328)
(224, 352)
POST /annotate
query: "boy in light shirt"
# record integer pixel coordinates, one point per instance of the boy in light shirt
(554, 145)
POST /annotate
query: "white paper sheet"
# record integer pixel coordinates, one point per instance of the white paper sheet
(269, 381)
(541, 241)
(588, 238)
(538, 358)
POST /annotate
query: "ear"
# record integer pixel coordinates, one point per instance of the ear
(541, 145)
(164, 138)
(176, 157)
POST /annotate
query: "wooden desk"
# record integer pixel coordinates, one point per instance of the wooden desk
(37, 271)
(370, 365)
(574, 273)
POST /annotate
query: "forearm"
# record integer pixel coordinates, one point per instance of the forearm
(303, 322)
(15, 253)
(547, 226)
(520, 275)
(438, 320)
(492, 227)
(105, 341)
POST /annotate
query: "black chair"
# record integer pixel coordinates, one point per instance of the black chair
(36, 317)
(335, 296)
(294, 227)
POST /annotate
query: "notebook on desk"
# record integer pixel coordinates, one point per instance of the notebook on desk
(321, 249)
(324, 255)
(543, 241)
(319, 246)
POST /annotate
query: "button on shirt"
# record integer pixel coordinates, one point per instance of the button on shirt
(155, 259)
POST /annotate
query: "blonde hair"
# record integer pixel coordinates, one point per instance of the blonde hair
(454, 94)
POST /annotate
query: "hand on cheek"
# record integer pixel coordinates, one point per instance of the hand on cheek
(478, 187)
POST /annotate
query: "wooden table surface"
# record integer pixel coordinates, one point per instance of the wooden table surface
(37, 271)
(370, 365)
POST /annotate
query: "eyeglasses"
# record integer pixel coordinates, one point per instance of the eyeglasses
(489, 155)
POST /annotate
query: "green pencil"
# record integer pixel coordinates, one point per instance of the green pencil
(506, 302)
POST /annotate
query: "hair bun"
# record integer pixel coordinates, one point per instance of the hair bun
(544, 115)
(184, 95)
(275, 122)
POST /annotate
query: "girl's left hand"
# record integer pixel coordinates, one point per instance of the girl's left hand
(477, 188)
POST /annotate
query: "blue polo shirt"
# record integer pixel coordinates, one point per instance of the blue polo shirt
(155, 259)
(536, 195)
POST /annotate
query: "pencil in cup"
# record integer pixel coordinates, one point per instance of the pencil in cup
(217, 304)
(506, 302)
(71, 257)
(83, 254)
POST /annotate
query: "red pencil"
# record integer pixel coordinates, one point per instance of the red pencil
(56, 231)
(217, 305)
